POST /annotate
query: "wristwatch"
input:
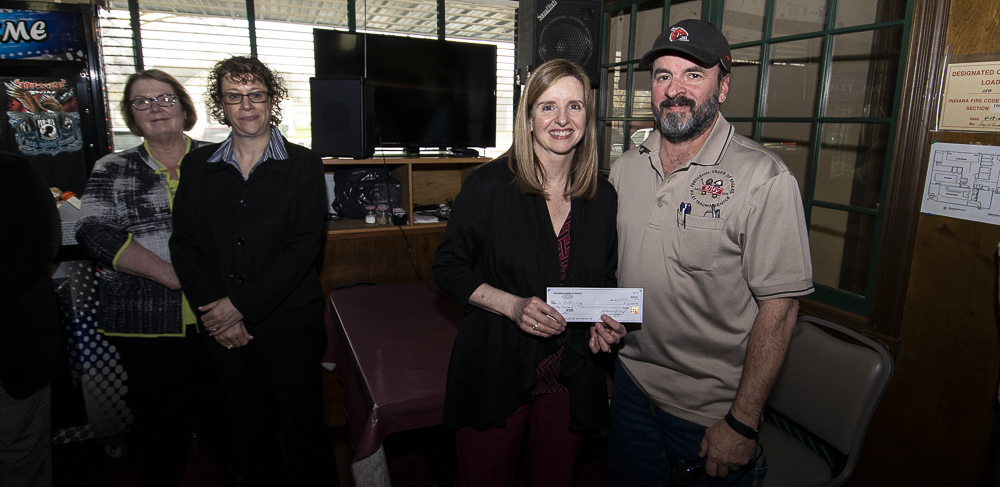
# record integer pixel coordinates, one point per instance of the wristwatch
(747, 432)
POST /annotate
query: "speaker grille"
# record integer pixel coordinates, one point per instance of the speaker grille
(566, 38)
(558, 29)
(341, 114)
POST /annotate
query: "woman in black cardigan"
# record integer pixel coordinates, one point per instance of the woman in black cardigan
(248, 218)
(538, 216)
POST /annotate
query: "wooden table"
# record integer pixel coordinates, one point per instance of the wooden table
(392, 344)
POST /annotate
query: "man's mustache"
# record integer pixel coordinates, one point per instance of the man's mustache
(679, 101)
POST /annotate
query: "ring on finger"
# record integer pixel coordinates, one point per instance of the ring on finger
(535, 328)
(230, 346)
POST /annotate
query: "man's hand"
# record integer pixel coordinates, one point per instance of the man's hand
(726, 450)
(604, 336)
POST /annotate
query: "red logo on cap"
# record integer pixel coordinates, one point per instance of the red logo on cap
(678, 34)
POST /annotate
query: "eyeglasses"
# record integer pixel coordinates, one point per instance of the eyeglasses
(233, 98)
(164, 100)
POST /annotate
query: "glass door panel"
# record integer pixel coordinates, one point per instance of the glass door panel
(851, 161)
(793, 78)
(742, 99)
(743, 21)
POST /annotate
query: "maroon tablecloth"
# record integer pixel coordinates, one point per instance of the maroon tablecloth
(391, 344)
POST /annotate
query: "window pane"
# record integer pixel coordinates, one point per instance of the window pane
(863, 73)
(793, 79)
(851, 162)
(617, 36)
(221, 8)
(327, 13)
(648, 25)
(742, 99)
(743, 20)
(116, 49)
(684, 9)
(792, 142)
(841, 246)
(288, 49)
(614, 91)
(860, 12)
(478, 21)
(744, 128)
(827, 232)
(505, 97)
(188, 46)
(414, 17)
(493, 24)
(638, 132)
(612, 141)
(797, 17)
(642, 94)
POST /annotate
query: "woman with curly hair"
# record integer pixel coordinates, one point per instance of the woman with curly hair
(247, 223)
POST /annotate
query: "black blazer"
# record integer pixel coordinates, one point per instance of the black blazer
(31, 341)
(503, 238)
(255, 241)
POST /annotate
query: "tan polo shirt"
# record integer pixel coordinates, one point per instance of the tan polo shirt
(744, 239)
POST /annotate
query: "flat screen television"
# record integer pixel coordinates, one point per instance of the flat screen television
(426, 92)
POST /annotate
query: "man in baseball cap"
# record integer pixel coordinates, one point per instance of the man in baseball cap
(696, 38)
(711, 225)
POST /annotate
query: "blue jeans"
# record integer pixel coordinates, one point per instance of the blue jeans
(645, 441)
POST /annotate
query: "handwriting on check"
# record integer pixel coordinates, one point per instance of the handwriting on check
(588, 304)
(612, 312)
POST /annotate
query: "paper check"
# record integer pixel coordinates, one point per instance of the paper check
(587, 304)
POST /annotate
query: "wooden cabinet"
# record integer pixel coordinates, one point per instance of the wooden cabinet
(355, 251)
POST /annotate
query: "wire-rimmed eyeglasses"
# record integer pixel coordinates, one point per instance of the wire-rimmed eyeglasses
(233, 98)
(165, 100)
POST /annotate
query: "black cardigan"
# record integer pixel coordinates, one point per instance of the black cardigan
(32, 351)
(255, 241)
(501, 237)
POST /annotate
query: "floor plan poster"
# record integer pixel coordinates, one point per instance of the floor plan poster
(963, 181)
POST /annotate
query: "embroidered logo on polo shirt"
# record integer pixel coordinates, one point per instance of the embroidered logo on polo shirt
(712, 189)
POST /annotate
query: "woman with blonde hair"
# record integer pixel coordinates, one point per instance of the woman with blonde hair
(539, 216)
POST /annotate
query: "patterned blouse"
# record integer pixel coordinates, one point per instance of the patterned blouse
(128, 199)
(548, 369)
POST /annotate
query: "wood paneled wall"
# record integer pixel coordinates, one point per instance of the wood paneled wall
(935, 425)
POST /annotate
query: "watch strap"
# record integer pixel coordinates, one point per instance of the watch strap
(744, 430)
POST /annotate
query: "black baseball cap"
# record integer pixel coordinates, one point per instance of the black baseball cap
(696, 38)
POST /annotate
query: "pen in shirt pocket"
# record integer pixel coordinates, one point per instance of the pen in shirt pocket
(682, 212)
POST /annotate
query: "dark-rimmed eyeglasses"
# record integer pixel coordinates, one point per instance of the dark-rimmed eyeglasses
(233, 98)
(164, 100)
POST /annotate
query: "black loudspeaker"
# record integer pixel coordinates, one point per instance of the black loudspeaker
(342, 120)
(559, 29)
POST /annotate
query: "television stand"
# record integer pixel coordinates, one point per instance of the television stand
(356, 251)
(464, 152)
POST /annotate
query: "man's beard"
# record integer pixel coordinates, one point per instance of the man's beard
(676, 128)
